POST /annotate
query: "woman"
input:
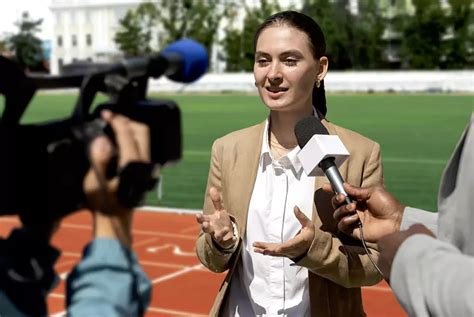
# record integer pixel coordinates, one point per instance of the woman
(264, 219)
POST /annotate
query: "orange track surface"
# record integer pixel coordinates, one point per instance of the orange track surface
(164, 243)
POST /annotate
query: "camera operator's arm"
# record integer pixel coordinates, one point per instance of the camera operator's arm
(109, 281)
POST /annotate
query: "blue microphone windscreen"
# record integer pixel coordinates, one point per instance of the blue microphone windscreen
(194, 60)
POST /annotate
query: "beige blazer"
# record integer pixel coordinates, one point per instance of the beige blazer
(337, 265)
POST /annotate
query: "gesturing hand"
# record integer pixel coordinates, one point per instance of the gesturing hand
(379, 212)
(293, 248)
(218, 224)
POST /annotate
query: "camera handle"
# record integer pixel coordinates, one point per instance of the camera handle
(115, 84)
(17, 89)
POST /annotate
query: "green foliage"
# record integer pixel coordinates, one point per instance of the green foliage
(367, 43)
(25, 45)
(136, 30)
(351, 41)
(197, 19)
(239, 44)
(422, 35)
(460, 46)
(331, 17)
(3, 46)
(232, 48)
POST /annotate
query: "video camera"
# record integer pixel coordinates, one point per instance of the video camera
(42, 166)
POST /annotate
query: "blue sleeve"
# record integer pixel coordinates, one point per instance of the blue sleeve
(107, 282)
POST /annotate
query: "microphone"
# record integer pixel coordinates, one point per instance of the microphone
(321, 153)
(183, 61)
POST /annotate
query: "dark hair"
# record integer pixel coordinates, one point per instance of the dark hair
(317, 43)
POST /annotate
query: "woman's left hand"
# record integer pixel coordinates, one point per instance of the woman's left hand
(293, 248)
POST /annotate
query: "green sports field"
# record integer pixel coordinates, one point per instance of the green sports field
(417, 133)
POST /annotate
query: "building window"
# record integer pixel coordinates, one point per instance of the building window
(74, 40)
(60, 41)
(89, 39)
(60, 64)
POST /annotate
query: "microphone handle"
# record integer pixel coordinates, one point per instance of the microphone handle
(332, 173)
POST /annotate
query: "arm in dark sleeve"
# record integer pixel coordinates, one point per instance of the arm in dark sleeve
(26, 273)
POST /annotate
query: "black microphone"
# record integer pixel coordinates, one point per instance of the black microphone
(305, 130)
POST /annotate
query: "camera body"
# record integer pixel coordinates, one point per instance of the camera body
(42, 166)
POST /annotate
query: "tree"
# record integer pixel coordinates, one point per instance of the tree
(239, 44)
(135, 32)
(422, 35)
(253, 18)
(198, 20)
(367, 36)
(460, 46)
(232, 41)
(336, 22)
(3, 46)
(25, 45)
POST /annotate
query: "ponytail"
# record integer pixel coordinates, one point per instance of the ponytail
(319, 99)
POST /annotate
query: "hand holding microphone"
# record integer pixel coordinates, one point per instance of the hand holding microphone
(380, 212)
(323, 152)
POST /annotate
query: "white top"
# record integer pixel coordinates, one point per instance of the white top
(266, 285)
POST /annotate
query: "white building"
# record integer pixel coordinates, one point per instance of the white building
(85, 30)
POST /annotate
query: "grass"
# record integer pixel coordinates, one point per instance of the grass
(417, 134)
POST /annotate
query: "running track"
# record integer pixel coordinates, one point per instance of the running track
(164, 243)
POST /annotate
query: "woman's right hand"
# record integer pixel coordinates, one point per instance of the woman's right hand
(218, 224)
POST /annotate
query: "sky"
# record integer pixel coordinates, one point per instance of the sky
(11, 12)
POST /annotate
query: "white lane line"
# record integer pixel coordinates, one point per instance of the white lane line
(167, 210)
(161, 247)
(177, 251)
(63, 276)
(144, 232)
(137, 244)
(165, 265)
(56, 295)
(178, 273)
(73, 254)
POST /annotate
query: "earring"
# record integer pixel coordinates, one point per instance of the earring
(255, 83)
(317, 84)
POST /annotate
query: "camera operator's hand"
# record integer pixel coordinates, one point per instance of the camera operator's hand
(112, 219)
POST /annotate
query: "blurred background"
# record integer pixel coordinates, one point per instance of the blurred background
(401, 73)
